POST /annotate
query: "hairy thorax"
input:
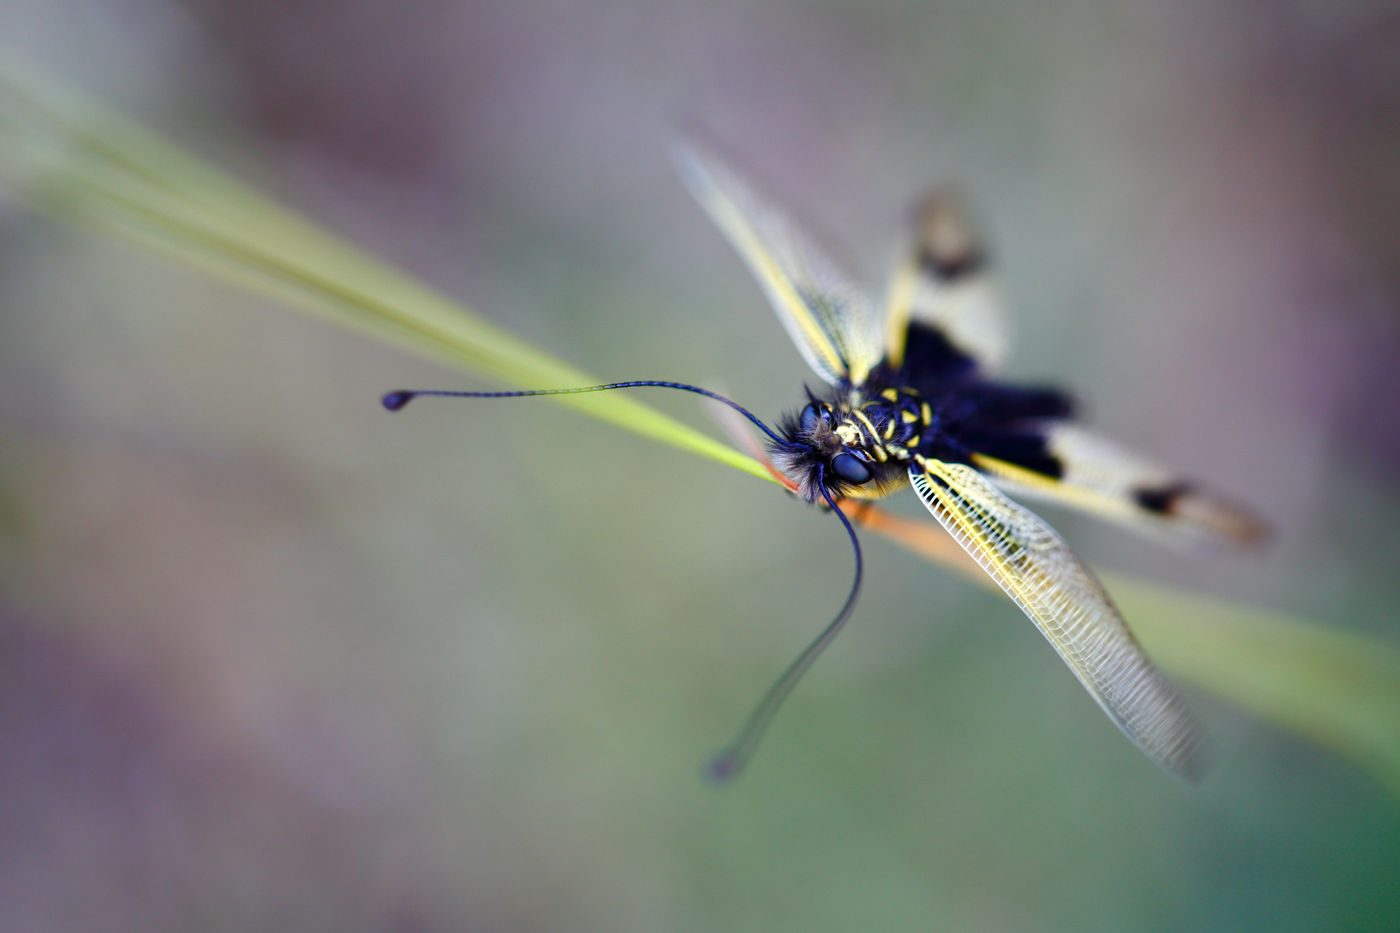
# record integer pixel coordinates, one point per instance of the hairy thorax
(858, 445)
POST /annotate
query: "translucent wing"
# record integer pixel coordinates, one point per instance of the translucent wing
(831, 322)
(1032, 564)
(1101, 477)
(942, 280)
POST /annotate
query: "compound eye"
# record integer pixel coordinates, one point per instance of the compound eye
(850, 469)
(808, 419)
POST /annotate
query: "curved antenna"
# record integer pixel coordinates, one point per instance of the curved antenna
(398, 399)
(729, 762)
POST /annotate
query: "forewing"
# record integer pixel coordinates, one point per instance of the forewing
(829, 319)
(1106, 479)
(1032, 564)
(942, 280)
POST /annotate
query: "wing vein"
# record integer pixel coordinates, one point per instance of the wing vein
(1034, 566)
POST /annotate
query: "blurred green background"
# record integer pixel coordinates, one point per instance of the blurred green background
(273, 659)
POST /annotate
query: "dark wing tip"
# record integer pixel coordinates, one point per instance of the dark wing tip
(950, 246)
(1211, 513)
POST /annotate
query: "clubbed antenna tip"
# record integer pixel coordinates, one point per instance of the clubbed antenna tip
(721, 768)
(396, 400)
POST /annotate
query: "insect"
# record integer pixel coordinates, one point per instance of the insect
(909, 401)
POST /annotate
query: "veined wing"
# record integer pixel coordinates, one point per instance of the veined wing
(830, 320)
(942, 280)
(1101, 477)
(1035, 567)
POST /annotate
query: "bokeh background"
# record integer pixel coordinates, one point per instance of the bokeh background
(271, 659)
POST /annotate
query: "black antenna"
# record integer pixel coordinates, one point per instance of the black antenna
(729, 762)
(397, 400)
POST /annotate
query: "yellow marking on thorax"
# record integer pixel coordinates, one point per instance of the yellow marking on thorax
(865, 421)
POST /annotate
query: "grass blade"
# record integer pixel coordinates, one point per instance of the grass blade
(1336, 688)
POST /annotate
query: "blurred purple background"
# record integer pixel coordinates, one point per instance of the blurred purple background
(269, 660)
